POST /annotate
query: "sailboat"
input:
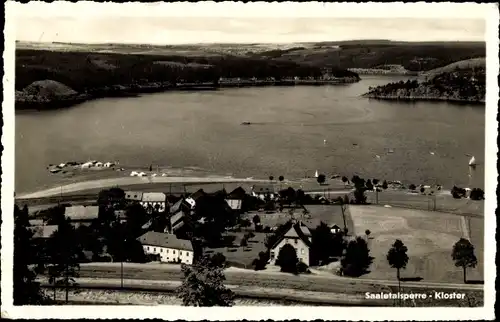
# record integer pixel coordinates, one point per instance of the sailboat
(316, 174)
(472, 162)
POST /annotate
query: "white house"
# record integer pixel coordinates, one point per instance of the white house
(261, 191)
(335, 229)
(235, 198)
(168, 246)
(194, 197)
(154, 200)
(299, 237)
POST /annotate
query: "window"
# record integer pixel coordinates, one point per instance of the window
(296, 241)
(180, 253)
(173, 252)
(154, 249)
(302, 251)
(161, 250)
(167, 251)
(272, 255)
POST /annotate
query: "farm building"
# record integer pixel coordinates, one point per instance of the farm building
(168, 247)
(82, 213)
(194, 197)
(154, 201)
(299, 237)
(263, 191)
(235, 198)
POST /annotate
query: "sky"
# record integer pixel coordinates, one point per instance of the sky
(152, 27)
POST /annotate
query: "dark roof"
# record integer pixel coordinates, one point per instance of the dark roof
(297, 230)
(43, 231)
(152, 238)
(238, 193)
(221, 192)
(200, 193)
(264, 188)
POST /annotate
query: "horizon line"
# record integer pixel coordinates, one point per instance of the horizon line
(254, 43)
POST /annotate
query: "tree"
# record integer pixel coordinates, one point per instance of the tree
(359, 195)
(203, 285)
(321, 179)
(321, 239)
(385, 185)
(367, 233)
(271, 178)
(477, 194)
(64, 252)
(26, 290)
(463, 255)
(357, 259)
(369, 185)
(111, 198)
(256, 220)
(287, 259)
(281, 178)
(398, 258)
(422, 189)
(218, 260)
(243, 242)
(261, 262)
(345, 180)
(375, 182)
(412, 187)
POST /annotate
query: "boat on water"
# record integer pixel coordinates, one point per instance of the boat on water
(472, 162)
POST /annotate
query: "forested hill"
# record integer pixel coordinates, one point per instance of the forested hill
(83, 71)
(375, 54)
(460, 82)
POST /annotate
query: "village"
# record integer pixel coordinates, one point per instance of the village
(263, 227)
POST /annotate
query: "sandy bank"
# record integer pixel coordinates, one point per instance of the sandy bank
(129, 181)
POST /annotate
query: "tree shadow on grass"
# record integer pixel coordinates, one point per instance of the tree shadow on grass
(411, 279)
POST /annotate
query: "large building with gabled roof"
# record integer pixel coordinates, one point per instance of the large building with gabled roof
(299, 236)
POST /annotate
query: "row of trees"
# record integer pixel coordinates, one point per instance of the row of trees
(462, 254)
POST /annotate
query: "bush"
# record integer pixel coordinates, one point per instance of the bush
(458, 193)
(412, 187)
(287, 259)
(218, 260)
(302, 267)
(261, 262)
(477, 194)
(245, 223)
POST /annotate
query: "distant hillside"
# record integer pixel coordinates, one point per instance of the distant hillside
(415, 57)
(96, 73)
(459, 65)
(360, 54)
(461, 81)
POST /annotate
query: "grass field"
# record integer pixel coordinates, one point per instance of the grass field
(237, 255)
(429, 236)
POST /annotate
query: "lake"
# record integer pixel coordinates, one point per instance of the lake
(424, 142)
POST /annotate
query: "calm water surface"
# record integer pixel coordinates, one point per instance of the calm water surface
(203, 129)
